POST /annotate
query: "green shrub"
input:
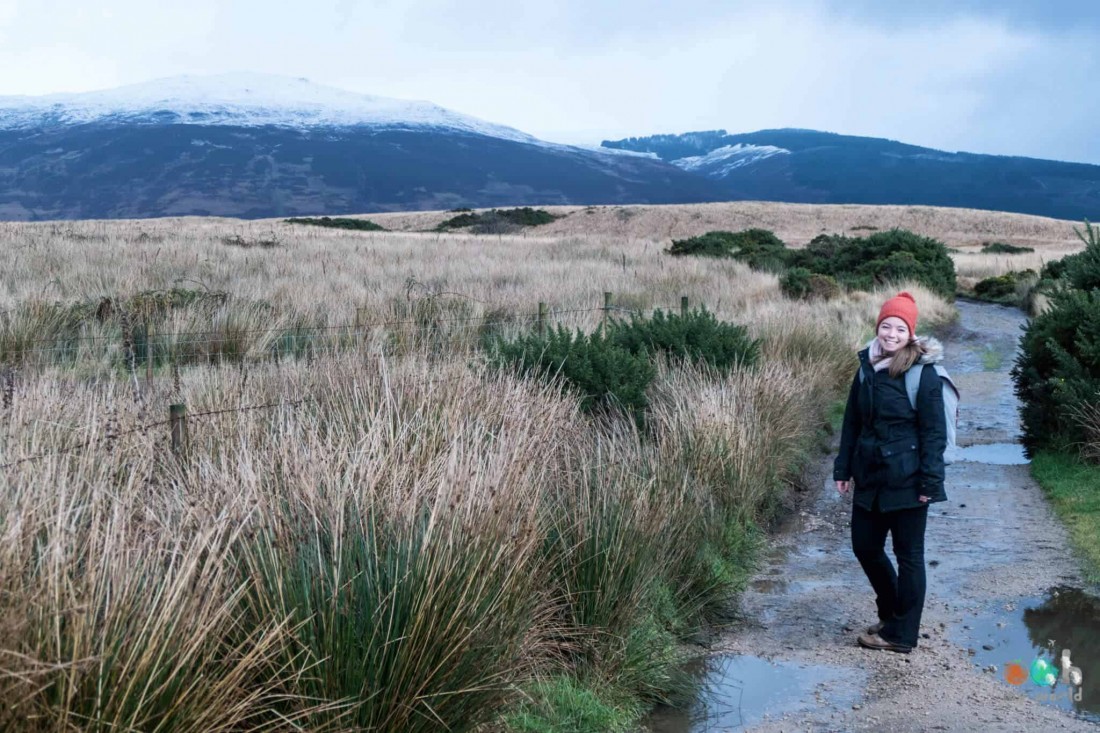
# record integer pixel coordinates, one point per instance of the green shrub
(614, 365)
(1083, 269)
(1080, 270)
(861, 263)
(1058, 369)
(1010, 288)
(711, 244)
(1055, 269)
(823, 287)
(758, 248)
(498, 221)
(1057, 372)
(601, 372)
(1003, 248)
(801, 284)
(697, 337)
(359, 225)
(796, 283)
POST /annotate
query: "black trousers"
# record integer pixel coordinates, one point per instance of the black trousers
(899, 594)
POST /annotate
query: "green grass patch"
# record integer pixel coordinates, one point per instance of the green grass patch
(1073, 487)
(991, 359)
(835, 415)
(564, 704)
(358, 225)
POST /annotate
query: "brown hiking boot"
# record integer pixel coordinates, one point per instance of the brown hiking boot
(874, 641)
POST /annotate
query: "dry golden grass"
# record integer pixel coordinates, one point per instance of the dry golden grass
(332, 278)
(795, 224)
(412, 533)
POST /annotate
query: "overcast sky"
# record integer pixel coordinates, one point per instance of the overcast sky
(995, 76)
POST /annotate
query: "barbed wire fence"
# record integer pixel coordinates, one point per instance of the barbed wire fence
(179, 417)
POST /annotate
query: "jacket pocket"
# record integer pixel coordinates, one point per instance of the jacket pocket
(901, 460)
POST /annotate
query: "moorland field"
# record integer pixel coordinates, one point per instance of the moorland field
(369, 522)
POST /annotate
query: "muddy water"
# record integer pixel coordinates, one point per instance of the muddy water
(1065, 623)
(740, 690)
(994, 553)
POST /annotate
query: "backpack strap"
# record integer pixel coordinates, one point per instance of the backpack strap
(912, 383)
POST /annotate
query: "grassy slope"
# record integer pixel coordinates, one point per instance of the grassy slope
(1074, 490)
(795, 224)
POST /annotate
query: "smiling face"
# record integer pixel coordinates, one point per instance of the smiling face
(893, 334)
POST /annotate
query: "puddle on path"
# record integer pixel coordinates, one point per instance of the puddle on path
(1011, 634)
(997, 454)
(738, 690)
(781, 585)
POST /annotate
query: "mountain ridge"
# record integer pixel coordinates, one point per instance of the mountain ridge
(827, 167)
(257, 145)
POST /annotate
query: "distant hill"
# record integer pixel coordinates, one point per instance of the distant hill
(253, 146)
(806, 166)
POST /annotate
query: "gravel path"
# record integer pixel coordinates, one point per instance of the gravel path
(810, 598)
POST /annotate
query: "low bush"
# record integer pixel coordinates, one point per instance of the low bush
(1054, 269)
(498, 221)
(801, 284)
(614, 365)
(359, 225)
(1003, 248)
(697, 337)
(1082, 270)
(857, 263)
(861, 263)
(1011, 288)
(1058, 370)
(758, 248)
(795, 283)
(601, 373)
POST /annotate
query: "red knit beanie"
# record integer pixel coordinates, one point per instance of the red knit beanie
(904, 307)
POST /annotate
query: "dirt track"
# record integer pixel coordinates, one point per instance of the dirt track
(994, 543)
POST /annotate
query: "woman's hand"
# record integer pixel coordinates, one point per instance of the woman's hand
(844, 486)
(923, 499)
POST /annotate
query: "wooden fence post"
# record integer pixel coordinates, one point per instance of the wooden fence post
(683, 305)
(606, 304)
(542, 319)
(177, 419)
(358, 328)
(149, 356)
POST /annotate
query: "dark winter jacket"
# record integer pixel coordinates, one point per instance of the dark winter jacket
(893, 453)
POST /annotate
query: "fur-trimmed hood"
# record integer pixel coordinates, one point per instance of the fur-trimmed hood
(933, 349)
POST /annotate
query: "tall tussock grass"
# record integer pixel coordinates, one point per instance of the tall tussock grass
(399, 537)
(397, 552)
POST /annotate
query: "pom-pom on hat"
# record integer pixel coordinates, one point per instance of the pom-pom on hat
(904, 307)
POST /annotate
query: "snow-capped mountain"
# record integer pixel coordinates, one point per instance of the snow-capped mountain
(242, 100)
(720, 161)
(256, 145)
(821, 167)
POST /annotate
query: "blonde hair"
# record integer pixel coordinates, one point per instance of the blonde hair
(904, 358)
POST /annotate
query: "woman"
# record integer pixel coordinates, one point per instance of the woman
(894, 456)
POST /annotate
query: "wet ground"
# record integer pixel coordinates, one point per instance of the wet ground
(1003, 599)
